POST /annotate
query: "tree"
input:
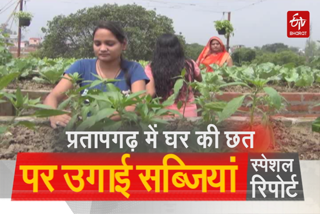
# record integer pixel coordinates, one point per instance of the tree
(6, 30)
(281, 58)
(193, 50)
(311, 50)
(5, 55)
(243, 55)
(275, 47)
(71, 36)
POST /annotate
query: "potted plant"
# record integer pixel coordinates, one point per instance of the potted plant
(24, 18)
(224, 27)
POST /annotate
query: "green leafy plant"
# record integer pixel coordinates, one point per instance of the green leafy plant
(52, 73)
(5, 55)
(94, 109)
(23, 14)
(265, 105)
(22, 105)
(224, 25)
(316, 123)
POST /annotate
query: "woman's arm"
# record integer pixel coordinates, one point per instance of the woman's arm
(197, 72)
(55, 97)
(151, 88)
(229, 62)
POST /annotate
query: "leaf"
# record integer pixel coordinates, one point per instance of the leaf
(183, 72)
(72, 122)
(104, 113)
(4, 81)
(233, 83)
(305, 80)
(274, 95)
(48, 113)
(293, 78)
(90, 121)
(112, 125)
(64, 104)
(145, 110)
(157, 120)
(316, 125)
(102, 97)
(163, 112)
(177, 86)
(170, 101)
(78, 90)
(216, 106)
(112, 88)
(19, 98)
(95, 83)
(136, 94)
(27, 124)
(42, 106)
(38, 80)
(131, 116)
(231, 108)
(179, 104)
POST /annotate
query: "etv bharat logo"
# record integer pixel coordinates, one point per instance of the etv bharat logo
(298, 24)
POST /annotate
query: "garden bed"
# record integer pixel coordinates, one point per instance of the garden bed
(280, 88)
(291, 136)
(30, 85)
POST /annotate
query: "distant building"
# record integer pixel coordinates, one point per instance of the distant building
(34, 41)
(23, 44)
(27, 47)
(235, 47)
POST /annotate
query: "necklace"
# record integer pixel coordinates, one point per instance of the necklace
(101, 74)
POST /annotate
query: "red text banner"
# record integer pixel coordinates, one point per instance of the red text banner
(136, 176)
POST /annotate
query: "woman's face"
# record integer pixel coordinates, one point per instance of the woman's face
(106, 46)
(215, 46)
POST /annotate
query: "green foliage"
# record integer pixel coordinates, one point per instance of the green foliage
(71, 36)
(5, 55)
(52, 74)
(224, 24)
(243, 56)
(281, 58)
(277, 53)
(312, 50)
(275, 47)
(23, 14)
(316, 125)
(193, 50)
(22, 104)
(143, 63)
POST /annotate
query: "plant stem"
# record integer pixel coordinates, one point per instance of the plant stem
(254, 102)
(185, 104)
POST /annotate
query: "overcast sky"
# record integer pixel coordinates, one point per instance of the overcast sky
(256, 22)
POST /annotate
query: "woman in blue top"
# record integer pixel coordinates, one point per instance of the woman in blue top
(109, 41)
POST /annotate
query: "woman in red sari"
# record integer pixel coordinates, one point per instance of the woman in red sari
(214, 53)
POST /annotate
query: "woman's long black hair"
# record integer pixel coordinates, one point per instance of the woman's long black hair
(167, 63)
(118, 32)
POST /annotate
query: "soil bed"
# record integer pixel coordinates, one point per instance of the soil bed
(279, 88)
(30, 85)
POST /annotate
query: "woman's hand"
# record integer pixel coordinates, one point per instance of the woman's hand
(60, 120)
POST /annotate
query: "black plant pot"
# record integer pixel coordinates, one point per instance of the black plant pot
(222, 31)
(24, 22)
